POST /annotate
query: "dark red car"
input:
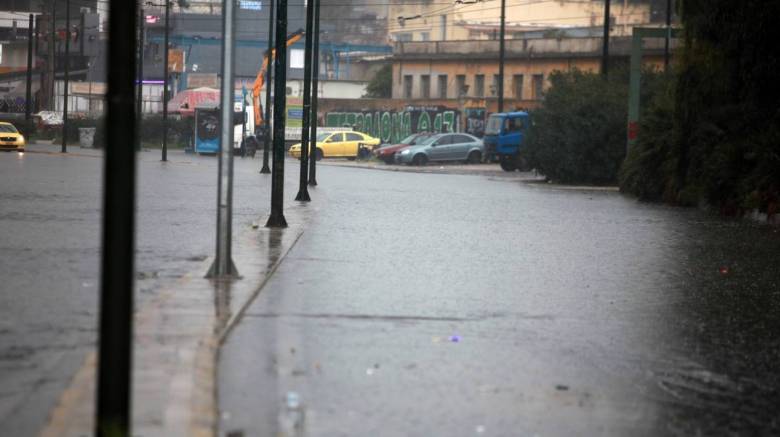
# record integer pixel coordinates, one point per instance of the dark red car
(387, 153)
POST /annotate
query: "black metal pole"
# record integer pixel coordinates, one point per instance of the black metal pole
(276, 219)
(28, 88)
(303, 191)
(52, 58)
(116, 287)
(139, 108)
(501, 54)
(268, 80)
(67, 79)
(315, 96)
(605, 50)
(668, 33)
(165, 83)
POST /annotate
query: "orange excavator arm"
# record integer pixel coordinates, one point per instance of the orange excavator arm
(260, 80)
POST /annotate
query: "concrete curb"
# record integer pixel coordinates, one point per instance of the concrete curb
(177, 337)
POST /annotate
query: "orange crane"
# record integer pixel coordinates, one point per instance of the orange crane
(260, 80)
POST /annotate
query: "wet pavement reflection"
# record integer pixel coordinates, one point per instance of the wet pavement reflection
(426, 305)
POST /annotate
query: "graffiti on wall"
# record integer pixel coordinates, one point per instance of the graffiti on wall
(475, 121)
(394, 126)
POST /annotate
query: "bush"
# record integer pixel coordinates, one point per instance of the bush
(578, 135)
(179, 130)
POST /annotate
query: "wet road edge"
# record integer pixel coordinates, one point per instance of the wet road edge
(178, 334)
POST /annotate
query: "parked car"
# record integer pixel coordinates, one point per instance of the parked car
(10, 138)
(387, 152)
(341, 144)
(443, 147)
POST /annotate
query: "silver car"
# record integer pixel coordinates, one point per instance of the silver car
(443, 147)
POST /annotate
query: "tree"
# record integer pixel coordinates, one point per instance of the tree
(381, 86)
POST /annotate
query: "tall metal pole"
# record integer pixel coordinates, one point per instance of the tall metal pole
(52, 58)
(28, 88)
(165, 84)
(223, 263)
(605, 50)
(276, 219)
(139, 108)
(116, 286)
(668, 33)
(501, 58)
(303, 191)
(315, 96)
(67, 79)
(268, 80)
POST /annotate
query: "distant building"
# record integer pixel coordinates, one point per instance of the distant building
(458, 73)
(430, 21)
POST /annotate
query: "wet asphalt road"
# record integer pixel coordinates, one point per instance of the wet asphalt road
(451, 305)
(49, 246)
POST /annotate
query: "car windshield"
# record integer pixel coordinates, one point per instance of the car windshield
(8, 128)
(323, 137)
(427, 141)
(419, 139)
(409, 139)
(493, 125)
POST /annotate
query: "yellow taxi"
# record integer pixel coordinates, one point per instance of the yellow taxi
(340, 144)
(10, 138)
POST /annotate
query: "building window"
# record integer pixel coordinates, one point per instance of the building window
(494, 86)
(425, 36)
(538, 86)
(443, 86)
(443, 27)
(460, 85)
(408, 86)
(403, 37)
(425, 86)
(479, 85)
(517, 85)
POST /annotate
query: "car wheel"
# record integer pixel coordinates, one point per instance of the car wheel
(318, 154)
(420, 159)
(474, 157)
(508, 166)
(390, 159)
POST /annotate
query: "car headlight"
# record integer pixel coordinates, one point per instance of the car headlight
(405, 152)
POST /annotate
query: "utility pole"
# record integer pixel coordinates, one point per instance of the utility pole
(605, 51)
(165, 84)
(668, 34)
(501, 55)
(115, 341)
(315, 96)
(276, 219)
(139, 107)
(269, 78)
(223, 266)
(303, 191)
(67, 79)
(52, 57)
(28, 89)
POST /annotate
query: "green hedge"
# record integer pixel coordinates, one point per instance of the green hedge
(150, 130)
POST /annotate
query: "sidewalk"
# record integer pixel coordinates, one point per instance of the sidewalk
(177, 337)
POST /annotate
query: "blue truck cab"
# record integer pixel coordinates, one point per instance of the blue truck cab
(504, 136)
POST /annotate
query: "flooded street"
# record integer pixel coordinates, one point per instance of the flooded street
(420, 305)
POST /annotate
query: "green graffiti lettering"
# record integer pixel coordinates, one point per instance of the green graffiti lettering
(437, 123)
(368, 124)
(359, 122)
(332, 119)
(387, 128)
(449, 121)
(424, 123)
(407, 124)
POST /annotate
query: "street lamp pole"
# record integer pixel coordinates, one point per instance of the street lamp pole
(605, 49)
(140, 88)
(501, 55)
(315, 96)
(115, 343)
(276, 219)
(303, 191)
(668, 34)
(67, 79)
(165, 83)
(28, 88)
(269, 79)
